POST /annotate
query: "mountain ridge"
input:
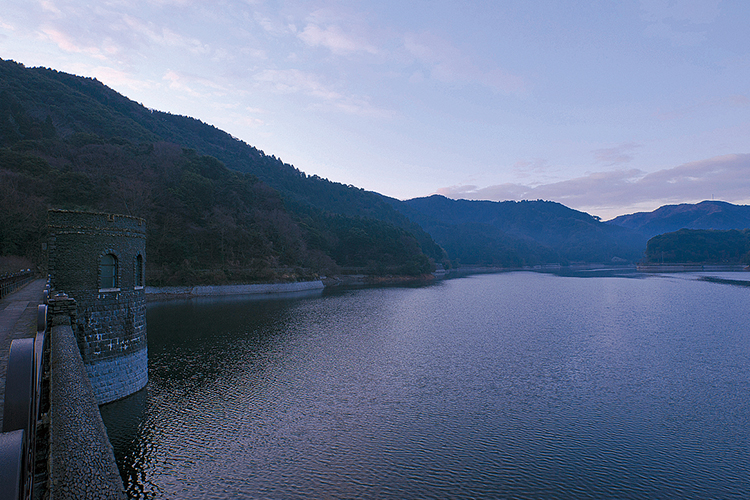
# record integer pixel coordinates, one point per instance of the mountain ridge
(524, 232)
(707, 214)
(56, 124)
(71, 142)
(91, 107)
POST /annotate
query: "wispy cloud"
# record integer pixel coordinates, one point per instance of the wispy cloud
(70, 44)
(705, 106)
(615, 192)
(333, 38)
(49, 6)
(537, 167)
(447, 64)
(6, 26)
(272, 26)
(685, 11)
(178, 83)
(290, 81)
(163, 36)
(193, 85)
(118, 78)
(683, 23)
(622, 153)
(739, 101)
(293, 81)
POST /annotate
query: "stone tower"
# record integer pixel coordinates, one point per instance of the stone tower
(98, 259)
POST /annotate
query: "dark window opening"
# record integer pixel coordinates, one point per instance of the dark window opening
(139, 271)
(108, 271)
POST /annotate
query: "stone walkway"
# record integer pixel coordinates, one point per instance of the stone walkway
(17, 320)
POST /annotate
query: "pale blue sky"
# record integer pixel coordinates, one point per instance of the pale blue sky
(607, 107)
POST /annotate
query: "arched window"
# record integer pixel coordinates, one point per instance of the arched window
(108, 271)
(139, 270)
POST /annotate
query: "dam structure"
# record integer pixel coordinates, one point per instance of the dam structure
(98, 260)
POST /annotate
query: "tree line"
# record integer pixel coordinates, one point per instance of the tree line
(700, 246)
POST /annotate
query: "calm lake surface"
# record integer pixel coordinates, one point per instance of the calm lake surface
(516, 385)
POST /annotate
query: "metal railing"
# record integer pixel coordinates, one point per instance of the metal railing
(10, 282)
(23, 412)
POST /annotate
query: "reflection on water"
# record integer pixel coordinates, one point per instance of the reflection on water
(513, 385)
(124, 420)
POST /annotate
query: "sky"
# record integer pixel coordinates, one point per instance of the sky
(606, 107)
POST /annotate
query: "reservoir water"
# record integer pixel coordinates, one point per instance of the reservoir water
(516, 385)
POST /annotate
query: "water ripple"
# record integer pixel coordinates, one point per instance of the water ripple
(507, 386)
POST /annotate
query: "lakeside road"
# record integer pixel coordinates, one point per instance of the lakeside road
(18, 313)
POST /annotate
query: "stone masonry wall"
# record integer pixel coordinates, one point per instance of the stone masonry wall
(113, 379)
(110, 326)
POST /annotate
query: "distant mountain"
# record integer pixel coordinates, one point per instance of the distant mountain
(512, 234)
(704, 215)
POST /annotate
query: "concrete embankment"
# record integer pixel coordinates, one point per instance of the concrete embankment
(170, 292)
(690, 267)
(364, 280)
(346, 280)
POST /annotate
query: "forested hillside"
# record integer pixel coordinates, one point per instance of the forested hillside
(511, 234)
(70, 142)
(75, 104)
(700, 246)
(206, 223)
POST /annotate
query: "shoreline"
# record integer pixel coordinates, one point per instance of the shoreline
(360, 280)
(163, 293)
(154, 293)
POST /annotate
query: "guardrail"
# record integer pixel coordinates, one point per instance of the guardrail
(23, 412)
(10, 282)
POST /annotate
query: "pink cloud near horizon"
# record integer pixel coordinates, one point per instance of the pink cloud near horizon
(617, 192)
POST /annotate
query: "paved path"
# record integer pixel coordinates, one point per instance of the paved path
(17, 320)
